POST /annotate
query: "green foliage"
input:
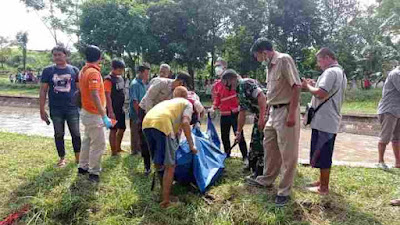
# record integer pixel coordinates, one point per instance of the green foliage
(389, 10)
(22, 40)
(185, 30)
(294, 25)
(236, 51)
(120, 29)
(194, 33)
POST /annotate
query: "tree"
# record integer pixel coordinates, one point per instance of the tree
(389, 10)
(57, 15)
(236, 51)
(22, 40)
(335, 15)
(5, 50)
(183, 29)
(118, 28)
(294, 25)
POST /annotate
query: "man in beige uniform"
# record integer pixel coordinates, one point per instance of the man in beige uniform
(282, 130)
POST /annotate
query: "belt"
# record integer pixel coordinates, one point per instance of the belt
(279, 106)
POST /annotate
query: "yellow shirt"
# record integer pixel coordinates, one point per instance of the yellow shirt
(167, 116)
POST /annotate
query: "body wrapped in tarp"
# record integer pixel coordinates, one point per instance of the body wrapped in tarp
(204, 168)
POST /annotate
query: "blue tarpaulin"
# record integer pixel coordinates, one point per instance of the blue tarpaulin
(204, 168)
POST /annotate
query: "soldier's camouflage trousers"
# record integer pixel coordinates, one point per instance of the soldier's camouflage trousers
(256, 153)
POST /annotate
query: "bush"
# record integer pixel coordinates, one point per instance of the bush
(305, 97)
(352, 95)
(360, 95)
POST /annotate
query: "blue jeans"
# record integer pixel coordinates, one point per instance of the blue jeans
(59, 117)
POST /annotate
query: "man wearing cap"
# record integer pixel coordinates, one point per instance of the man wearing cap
(282, 130)
(251, 98)
(226, 101)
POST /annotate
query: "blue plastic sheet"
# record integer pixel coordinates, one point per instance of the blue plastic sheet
(204, 168)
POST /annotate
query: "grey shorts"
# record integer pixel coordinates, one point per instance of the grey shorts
(390, 130)
(162, 147)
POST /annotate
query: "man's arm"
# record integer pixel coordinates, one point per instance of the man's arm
(44, 88)
(188, 134)
(294, 102)
(292, 76)
(216, 96)
(262, 104)
(109, 106)
(317, 92)
(136, 106)
(241, 122)
(107, 88)
(151, 95)
(94, 94)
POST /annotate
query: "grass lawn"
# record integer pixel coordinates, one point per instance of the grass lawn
(360, 107)
(60, 196)
(13, 89)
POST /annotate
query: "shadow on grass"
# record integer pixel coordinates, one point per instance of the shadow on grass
(147, 207)
(32, 191)
(43, 183)
(82, 199)
(333, 208)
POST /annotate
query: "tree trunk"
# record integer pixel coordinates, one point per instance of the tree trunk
(24, 57)
(191, 73)
(132, 65)
(212, 62)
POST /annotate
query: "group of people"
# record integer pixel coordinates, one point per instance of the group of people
(164, 108)
(23, 78)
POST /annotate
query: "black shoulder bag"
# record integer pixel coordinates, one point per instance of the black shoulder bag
(310, 111)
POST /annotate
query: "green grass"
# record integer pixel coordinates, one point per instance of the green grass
(14, 89)
(360, 108)
(357, 101)
(60, 196)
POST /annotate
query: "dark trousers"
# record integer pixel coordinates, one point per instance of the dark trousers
(226, 123)
(59, 117)
(256, 152)
(143, 143)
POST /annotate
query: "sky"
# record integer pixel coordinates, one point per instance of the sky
(14, 17)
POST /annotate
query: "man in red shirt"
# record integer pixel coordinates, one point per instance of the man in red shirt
(226, 101)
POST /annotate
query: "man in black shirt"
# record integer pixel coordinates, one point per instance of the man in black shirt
(114, 87)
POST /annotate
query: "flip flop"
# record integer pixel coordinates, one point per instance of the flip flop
(317, 190)
(61, 163)
(395, 202)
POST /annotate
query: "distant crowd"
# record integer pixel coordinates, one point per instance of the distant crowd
(24, 77)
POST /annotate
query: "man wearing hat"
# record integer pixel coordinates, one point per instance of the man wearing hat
(226, 101)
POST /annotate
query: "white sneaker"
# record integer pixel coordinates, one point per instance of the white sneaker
(382, 165)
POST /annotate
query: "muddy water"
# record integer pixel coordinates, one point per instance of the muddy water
(350, 149)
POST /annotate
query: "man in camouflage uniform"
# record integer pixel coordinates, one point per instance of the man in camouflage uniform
(251, 98)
